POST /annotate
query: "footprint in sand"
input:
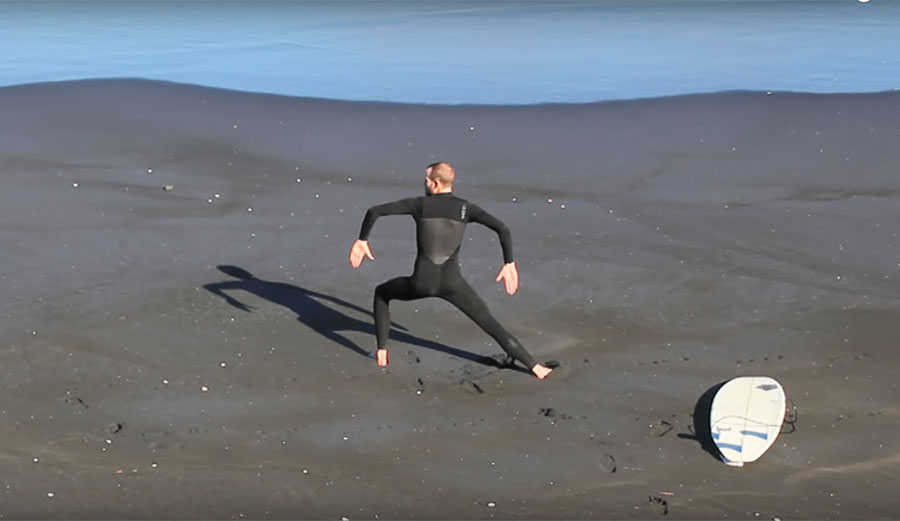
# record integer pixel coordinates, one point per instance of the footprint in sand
(560, 371)
(660, 428)
(553, 414)
(607, 462)
(77, 402)
(658, 505)
(470, 386)
(410, 357)
(113, 428)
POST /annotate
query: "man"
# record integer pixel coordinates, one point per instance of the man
(441, 219)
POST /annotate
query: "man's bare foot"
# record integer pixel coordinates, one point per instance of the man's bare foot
(382, 357)
(541, 371)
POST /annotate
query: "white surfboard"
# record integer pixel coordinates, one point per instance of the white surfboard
(746, 417)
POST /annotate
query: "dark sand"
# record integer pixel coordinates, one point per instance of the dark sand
(665, 246)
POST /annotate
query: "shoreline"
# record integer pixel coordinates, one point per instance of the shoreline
(661, 98)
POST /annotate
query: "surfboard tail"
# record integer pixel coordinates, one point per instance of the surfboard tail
(731, 463)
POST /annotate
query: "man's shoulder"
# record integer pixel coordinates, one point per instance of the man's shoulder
(414, 203)
(462, 200)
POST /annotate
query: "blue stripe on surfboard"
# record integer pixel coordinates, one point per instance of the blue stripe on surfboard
(732, 446)
(762, 435)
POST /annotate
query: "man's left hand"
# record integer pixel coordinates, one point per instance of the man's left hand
(509, 274)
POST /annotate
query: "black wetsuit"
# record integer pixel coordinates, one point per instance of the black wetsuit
(440, 222)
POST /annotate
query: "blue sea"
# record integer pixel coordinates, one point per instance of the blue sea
(456, 52)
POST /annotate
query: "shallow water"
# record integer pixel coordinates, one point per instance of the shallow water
(461, 52)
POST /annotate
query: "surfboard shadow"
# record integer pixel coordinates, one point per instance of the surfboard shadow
(701, 432)
(319, 312)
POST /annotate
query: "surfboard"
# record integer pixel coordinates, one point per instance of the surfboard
(746, 417)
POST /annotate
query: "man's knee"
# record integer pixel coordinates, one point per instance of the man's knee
(382, 292)
(394, 289)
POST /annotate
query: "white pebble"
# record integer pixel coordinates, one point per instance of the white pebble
(209, 201)
(108, 441)
(299, 180)
(471, 127)
(249, 209)
(149, 170)
(165, 381)
(75, 185)
(305, 471)
(221, 364)
(562, 206)
(154, 465)
(549, 199)
(35, 460)
(216, 196)
(204, 388)
(50, 494)
(317, 196)
(491, 504)
(349, 179)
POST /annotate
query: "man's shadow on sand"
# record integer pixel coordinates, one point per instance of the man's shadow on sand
(312, 311)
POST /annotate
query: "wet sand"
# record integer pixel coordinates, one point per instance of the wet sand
(201, 352)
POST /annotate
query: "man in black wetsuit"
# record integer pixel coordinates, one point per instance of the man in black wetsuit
(441, 219)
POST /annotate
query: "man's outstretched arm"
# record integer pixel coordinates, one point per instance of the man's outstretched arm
(509, 273)
(401, 207)
(360, 248)
(217, 289)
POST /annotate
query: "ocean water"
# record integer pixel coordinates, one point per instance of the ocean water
(462, 52)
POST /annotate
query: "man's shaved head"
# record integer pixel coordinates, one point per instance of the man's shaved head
(443, 172)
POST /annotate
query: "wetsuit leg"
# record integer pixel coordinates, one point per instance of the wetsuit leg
(466, 300)
(399, 288)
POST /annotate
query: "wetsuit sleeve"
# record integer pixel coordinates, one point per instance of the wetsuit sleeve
(402, 207)
(480, 216)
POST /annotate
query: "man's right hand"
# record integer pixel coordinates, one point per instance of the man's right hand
(359, 251)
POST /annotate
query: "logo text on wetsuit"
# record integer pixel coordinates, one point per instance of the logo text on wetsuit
(462, 212)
